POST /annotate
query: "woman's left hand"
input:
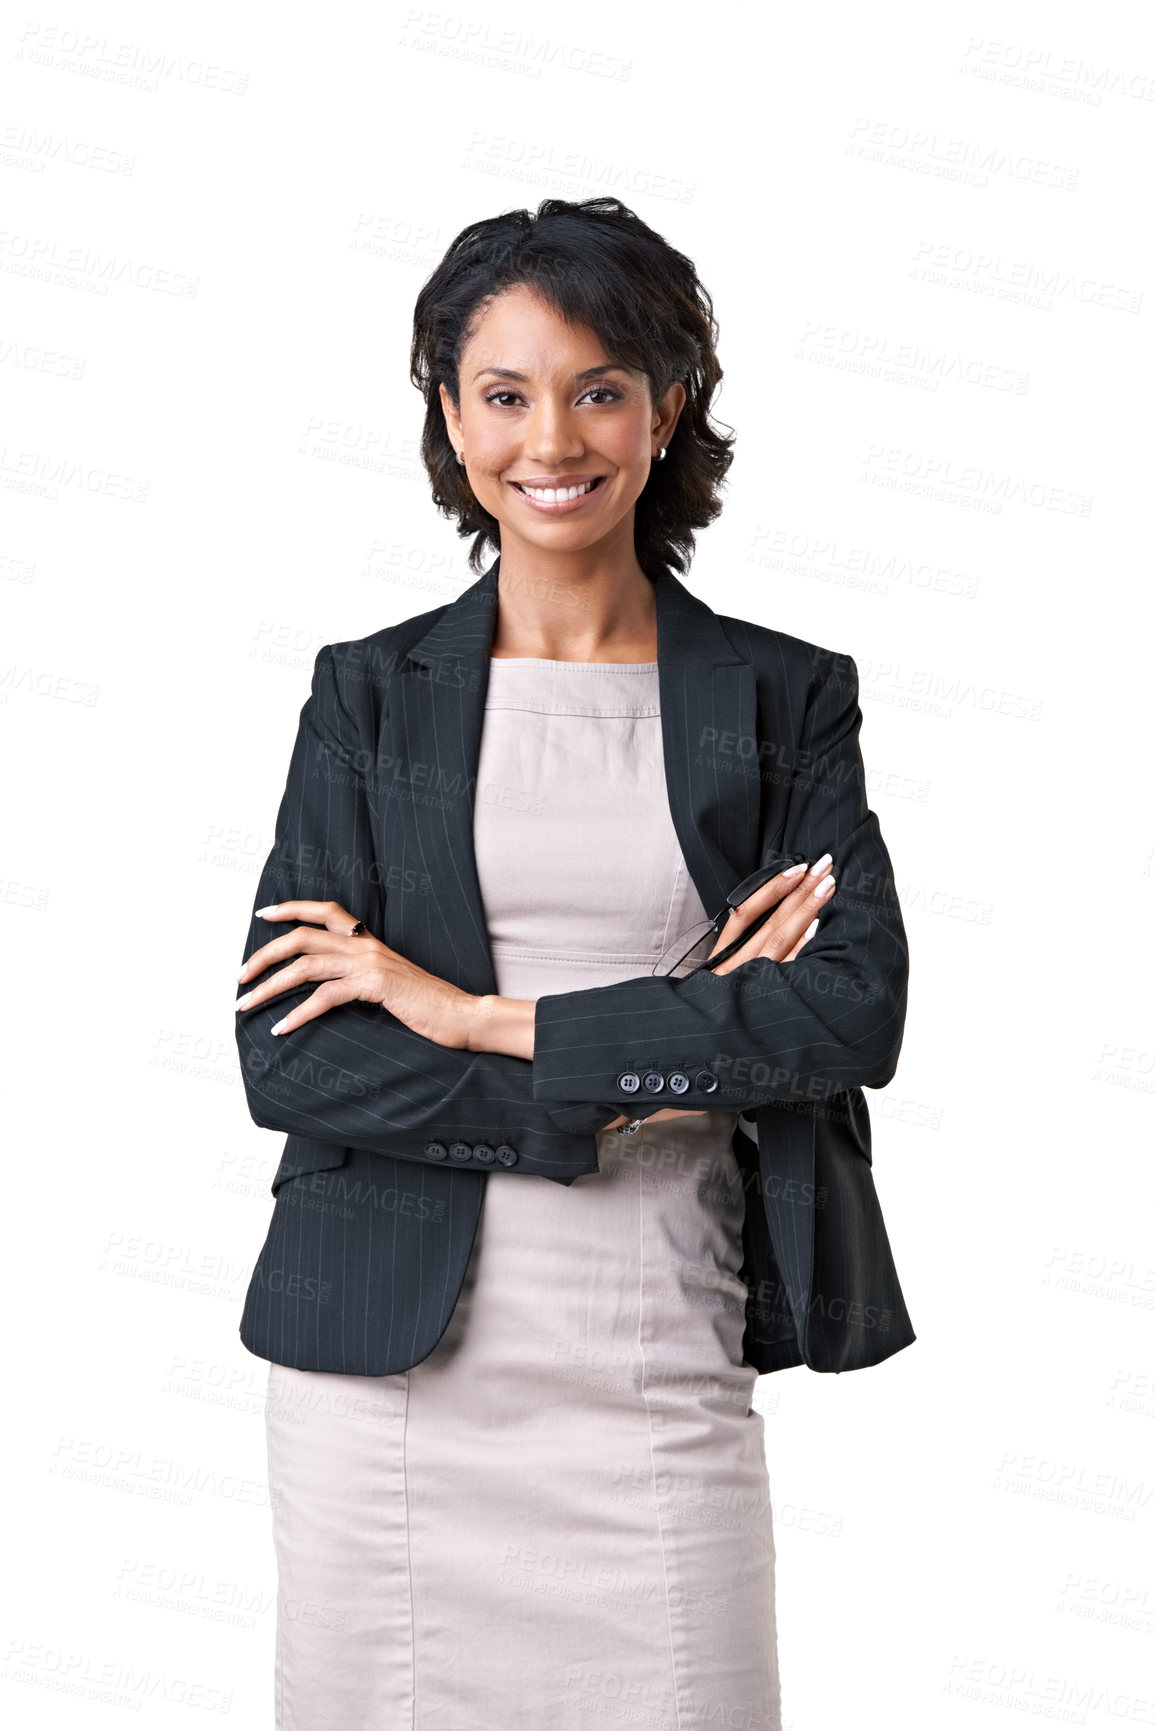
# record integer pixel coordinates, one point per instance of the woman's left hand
(797, 897)
(353, 968)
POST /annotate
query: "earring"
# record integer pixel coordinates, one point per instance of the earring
(661, 455)
(461, 457)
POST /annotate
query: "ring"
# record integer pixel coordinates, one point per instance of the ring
(358, 930)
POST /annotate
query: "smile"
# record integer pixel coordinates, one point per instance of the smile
(558, 498)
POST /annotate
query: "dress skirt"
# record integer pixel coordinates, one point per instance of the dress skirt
(560, 1518)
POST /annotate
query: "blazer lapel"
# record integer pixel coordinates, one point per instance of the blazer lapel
(708, 698)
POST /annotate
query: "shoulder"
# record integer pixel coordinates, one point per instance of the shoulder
(777, 655)
(382, 652)
(356, 671)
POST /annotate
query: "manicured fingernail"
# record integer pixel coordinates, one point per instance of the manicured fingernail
(278, 1027)
(241, 1002)
(792, 871)
(264, 913)
(820, 865)
(824, 888)
(811, 929)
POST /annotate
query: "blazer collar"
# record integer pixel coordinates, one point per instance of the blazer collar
(708, 697)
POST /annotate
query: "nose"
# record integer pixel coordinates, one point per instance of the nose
(551, 435)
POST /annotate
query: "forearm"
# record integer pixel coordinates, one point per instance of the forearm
(359, 1077)
(767, 1031)
(503, 1025)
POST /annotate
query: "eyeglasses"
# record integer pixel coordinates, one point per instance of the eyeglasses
(699, 937)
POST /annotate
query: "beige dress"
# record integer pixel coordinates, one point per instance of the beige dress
(561, 1518)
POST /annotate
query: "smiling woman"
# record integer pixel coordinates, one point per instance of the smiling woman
(525, 1262)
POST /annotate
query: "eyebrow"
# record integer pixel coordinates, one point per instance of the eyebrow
(508, 372)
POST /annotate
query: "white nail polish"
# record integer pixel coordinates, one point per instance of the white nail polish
(792, 871)
(824, 888)
(820, 865)
(241, 1002)
(278, 1027)
(811, 928)
(263, 913)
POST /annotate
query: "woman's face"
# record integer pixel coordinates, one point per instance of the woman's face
(543, 407)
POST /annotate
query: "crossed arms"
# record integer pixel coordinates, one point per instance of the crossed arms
(359, 1076)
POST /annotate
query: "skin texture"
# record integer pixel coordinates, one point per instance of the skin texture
(570, 589)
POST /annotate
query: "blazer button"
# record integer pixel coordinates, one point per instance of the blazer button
(460, 1150)
(506, 1154)
(678, 1081)
(653, 1081)
(435, 1150)
(483, 1152)
(706, 1081)
(629, 1081)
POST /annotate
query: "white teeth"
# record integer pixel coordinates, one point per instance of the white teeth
(553, 495)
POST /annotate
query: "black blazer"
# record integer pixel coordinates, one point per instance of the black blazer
(392, 1138)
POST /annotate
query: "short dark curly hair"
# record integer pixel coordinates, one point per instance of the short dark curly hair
(599, 265)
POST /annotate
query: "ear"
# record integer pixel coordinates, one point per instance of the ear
(667, 411)
(452, 417)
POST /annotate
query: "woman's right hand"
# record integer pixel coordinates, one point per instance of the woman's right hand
(796, 895)
(656, 1117)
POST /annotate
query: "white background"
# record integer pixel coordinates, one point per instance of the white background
(927, 235)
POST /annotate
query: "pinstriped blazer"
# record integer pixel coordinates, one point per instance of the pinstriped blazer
(392, 1138)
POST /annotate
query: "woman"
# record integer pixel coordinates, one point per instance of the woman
(517, 1477)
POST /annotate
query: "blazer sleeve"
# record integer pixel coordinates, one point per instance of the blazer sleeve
(357, 1075)
(830, 1020)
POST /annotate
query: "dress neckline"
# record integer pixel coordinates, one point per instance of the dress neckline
(545, 661)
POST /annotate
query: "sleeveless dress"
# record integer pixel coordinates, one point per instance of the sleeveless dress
(560, 1518)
